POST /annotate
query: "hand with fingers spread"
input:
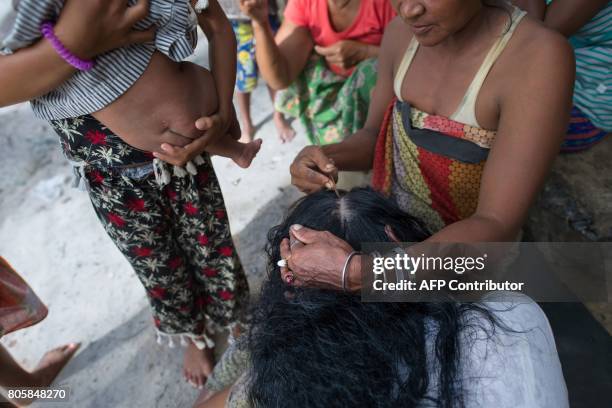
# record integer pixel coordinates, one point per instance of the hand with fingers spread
(316, 259)
(312, 170)
(92, 27)
(345, 54)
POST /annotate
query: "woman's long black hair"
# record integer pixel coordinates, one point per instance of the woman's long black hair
(323, 348)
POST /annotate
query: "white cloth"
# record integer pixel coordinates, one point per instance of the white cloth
(519, 369)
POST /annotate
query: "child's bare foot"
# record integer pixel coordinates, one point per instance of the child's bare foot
(285, 132)
(249, 151)
(198, 364)
(52, 363)
(248, 132)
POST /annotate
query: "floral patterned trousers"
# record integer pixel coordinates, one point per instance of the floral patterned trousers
(176, 236)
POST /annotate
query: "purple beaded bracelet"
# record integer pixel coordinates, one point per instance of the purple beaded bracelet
(46, 30)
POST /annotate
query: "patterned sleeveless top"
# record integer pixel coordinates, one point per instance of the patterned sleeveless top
(432, 165)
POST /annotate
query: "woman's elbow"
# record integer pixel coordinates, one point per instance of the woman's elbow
(499, 229)
(276, 77)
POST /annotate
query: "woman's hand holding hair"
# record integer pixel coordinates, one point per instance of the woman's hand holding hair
(312, 170)
(316, 259)
(91, 27)
(346, 54)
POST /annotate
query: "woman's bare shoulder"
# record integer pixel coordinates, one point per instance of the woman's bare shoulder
(537, 47)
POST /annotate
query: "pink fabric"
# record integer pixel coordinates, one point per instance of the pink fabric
(368, 27)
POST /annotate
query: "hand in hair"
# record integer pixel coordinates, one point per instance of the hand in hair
(317, 259)
(312, 170)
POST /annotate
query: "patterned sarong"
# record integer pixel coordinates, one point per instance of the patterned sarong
(330, 107)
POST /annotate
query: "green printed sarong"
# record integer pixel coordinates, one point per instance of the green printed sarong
(330, 107)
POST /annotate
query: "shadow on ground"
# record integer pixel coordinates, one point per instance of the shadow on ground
(251, 241)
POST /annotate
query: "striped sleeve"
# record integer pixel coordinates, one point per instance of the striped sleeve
(26, 29)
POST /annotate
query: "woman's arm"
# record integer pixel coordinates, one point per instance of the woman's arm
(280, 59)
(534, 114)
(31, 72)
(564, 16)
(310, 171)
(568, 16)
(87, 28)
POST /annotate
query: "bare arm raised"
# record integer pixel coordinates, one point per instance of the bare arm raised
(87, 28)
(309, 171)
(280, 59)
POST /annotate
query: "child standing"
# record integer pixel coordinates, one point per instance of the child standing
(247, 75)
(111, 116)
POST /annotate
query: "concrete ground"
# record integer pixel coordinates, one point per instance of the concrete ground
(50, 234)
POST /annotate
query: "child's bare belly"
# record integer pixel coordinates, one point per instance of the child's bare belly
(167, 100)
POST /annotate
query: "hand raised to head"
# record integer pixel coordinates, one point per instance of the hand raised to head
(255, 9)
(312, 170)
(317, 259)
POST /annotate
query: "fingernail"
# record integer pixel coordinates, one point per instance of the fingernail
(329, 185)
(330, 167)
(296, 227)
(164, 147)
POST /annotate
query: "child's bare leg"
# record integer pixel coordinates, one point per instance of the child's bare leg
(285, 132)
(241, 153)
(244, 104)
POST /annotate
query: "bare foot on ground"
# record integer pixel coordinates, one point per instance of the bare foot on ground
(47, 370)
(285, 132)
(198, 364)
(249, 152)
(52, 363)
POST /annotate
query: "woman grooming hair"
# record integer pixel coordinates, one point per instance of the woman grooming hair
(321, 348)
(467, 116)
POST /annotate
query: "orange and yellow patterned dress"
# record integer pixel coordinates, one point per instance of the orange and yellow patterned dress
(430, 165)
